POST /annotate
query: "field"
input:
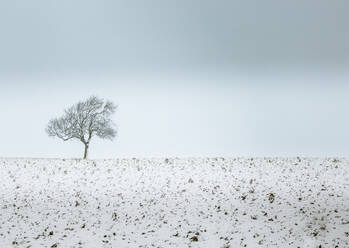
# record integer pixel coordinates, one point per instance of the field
(193, 202)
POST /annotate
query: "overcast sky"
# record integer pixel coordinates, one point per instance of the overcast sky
(191, 77)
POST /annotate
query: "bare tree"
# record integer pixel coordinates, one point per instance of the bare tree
(85, 120)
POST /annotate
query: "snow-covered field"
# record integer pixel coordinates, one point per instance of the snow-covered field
(217, 202)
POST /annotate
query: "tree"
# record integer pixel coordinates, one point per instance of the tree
(85, 120)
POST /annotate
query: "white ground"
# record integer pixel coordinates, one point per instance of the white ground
(174, 203)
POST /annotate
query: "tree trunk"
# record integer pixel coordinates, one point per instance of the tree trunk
(86, 151)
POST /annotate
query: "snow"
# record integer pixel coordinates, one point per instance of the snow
(192, 202)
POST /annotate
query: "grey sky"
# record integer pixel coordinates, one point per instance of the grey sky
(192, 78)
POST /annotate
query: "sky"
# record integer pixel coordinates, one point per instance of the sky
(190, 77)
